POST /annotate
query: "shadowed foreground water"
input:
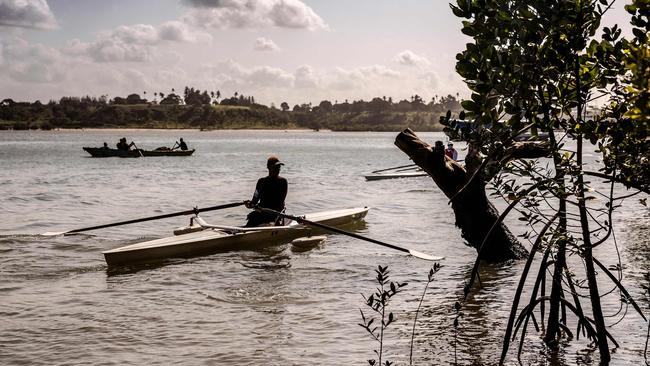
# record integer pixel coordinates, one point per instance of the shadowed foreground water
(61, 305)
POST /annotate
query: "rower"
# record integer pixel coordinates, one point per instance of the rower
(270, 192)
(182, 145)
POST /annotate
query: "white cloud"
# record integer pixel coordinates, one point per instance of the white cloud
(360, 77)
(26, 14)
(181, 32)
(432, 80)
(133, 43)
(135, 34)
(253, 14)
(116, 50)
(266, 76)
(37, 72)
(378, 70)
(236, 75)
(306, 78)
(30, 63)
(409, 58)
(265, 44)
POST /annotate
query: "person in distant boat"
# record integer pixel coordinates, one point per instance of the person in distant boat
(182, 145)
(270, 192)
(439, 146)
(122, 145)
(105, 146)
(451, 152)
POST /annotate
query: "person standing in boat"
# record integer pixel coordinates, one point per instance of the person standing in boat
(451, 152)
(270, 192)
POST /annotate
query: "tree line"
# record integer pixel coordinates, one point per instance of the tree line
(195, 108)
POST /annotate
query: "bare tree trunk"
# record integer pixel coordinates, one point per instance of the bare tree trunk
(474, 213)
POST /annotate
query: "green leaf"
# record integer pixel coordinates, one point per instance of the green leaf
(470, 105)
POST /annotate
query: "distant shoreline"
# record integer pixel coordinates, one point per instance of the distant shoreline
(135, 129)
(376, 115)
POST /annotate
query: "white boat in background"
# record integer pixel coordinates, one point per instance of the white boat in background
(379, 176)
(201, 238)
(405, 171)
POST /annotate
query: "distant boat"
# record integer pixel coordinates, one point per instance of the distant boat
(379, 176)
(102, 152)
(405, 171)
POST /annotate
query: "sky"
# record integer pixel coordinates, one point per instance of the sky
(275, 50)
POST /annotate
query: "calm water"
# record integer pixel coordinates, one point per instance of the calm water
(59, 305)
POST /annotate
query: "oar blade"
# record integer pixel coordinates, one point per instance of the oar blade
(424, 256)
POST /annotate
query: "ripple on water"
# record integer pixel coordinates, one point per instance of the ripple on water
(17, 199)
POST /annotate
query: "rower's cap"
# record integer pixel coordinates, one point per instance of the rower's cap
(273, 161)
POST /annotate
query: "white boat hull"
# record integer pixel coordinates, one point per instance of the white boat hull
(215, 240)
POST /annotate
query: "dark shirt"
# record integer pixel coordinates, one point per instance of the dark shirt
(183, 145)
(270, 192)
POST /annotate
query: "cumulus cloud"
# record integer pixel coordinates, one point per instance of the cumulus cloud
(409, 58)
(344, 79)
(306, 78)
(116, 50)
(133, 43)
(270, 76)
(133, 34)
(378, 70)
(432, 80)
(232, 73)
(265, 44)
(253, 14)
(180, 32)
(31, 63)
(26, 14)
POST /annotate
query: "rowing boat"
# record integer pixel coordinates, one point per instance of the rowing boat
(201, 238)
(101, 152)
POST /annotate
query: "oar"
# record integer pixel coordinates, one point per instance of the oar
(302, 220)
(181, 213)
(139, 151)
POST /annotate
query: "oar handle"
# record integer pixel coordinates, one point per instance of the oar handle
(181, 213)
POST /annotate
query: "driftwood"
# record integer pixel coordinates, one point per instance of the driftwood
(474, 213)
